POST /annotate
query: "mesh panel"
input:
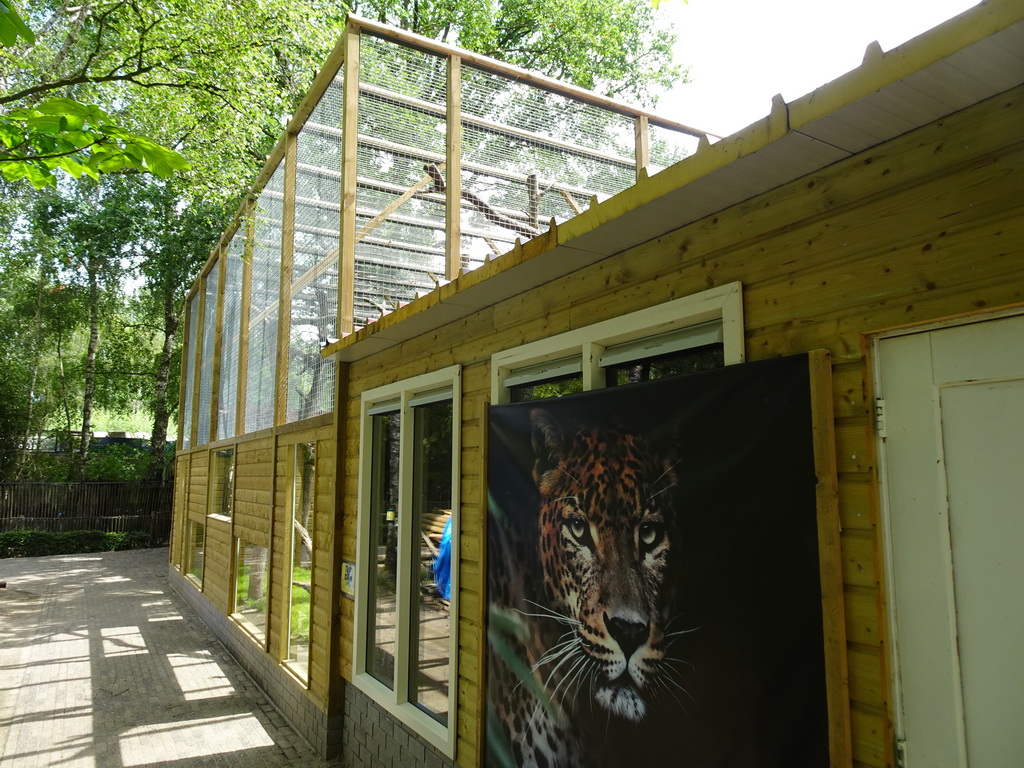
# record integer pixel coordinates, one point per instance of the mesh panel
(314, 309)
(529, 156)
(190, 372)
(207, 356)
(228, 391)
(263, 309)
(667, 147)
(400, 220)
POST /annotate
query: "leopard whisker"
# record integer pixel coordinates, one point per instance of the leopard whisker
(579, 663)
(585, 671)
(547, 684)
(558, 649)
(547, 613)
(663, 685)
(561, 648)
(658, 493)
(674, 660)
(667, 679)
(578, 483)
(669, 469)
(681, 632)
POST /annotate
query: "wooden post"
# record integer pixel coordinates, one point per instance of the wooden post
(197, 359)
(641, 135)
(218, 341)
(837, 687)
(533, 200)
(284, 303)
(248, 229)
(349, 148)
(185, 352)
(453, 152)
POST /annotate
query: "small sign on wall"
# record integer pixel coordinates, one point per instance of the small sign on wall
(348, 580)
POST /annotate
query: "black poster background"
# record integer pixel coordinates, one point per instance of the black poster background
(746, 561)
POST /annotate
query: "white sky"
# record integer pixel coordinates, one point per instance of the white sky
(742, 52)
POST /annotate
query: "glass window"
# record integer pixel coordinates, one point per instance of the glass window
(386, 432)
(406, 597)
(544, 388)
(664, 366)
(683, 336)
(431, 501)
(301, 587)
(252, 586)
(222, 482)
(196, 550)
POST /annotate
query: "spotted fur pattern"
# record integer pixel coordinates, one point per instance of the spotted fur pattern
(594, 616)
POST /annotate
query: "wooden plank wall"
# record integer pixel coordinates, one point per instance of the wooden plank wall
(927, 226)
(254, 490)
(263, 477)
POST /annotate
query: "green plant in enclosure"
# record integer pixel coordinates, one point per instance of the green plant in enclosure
(300, 606)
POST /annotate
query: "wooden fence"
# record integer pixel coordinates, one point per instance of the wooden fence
(108, 507)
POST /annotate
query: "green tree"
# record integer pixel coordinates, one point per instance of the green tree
(613, 46)
(214, 80)
(61, 134)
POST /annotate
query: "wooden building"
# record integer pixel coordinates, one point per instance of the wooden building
(876, 223)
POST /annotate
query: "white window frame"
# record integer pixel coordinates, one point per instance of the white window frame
(659, 324)
(396, 702)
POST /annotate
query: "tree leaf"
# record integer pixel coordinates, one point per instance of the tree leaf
(12, 27)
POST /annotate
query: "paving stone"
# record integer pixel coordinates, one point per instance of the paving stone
(99, 654)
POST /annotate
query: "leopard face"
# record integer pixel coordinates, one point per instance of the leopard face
(606, 532)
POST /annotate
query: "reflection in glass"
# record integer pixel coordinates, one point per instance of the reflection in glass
(679, 363)
(556, 386)
(196, 549)
(385, 433)
(252, 585)
(301, 587)
(222, 482)
(432, 507)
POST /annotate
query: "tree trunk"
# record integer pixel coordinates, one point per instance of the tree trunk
(90, 370)
(30, 427)
(161, 412)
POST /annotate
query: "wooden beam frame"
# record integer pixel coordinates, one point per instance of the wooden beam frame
(218, 342)
(453, 150)
(837, 684)
(284, 296)
(197, 359)
(642, 138)
(185, 352)
(349, 169)
(244, 311)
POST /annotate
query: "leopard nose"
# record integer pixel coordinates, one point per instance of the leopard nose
(630, 635)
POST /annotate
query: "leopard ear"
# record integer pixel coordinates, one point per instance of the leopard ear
(548, 449)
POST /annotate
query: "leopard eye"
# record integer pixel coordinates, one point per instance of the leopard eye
(577, 527)
(651, 534)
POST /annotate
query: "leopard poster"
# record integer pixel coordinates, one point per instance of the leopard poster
(653, 578)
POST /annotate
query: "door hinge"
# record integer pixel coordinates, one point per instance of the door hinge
(880, 418)
(901, 753)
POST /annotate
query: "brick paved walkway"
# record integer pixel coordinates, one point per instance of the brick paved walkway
(103, 666)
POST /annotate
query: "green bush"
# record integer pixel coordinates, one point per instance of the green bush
(40, 543)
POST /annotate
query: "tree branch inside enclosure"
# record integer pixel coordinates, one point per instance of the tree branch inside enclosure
(480, 204)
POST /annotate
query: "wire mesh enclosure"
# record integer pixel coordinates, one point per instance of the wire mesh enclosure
(264, 293)
(207, 356)
(231, 337)
(408, 163)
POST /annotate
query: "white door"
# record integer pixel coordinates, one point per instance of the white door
(954, 481)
